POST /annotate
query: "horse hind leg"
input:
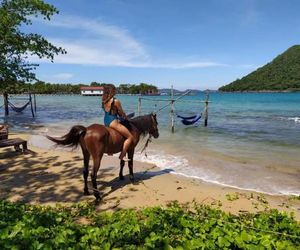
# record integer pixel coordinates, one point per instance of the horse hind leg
(86, 160)
(96, 159)
(122, 164)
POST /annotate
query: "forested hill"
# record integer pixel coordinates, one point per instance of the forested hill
(282, 74)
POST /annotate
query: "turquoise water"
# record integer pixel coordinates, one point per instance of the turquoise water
(252, 140)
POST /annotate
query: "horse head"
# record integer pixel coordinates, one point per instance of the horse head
(146, 124)
(153, 131)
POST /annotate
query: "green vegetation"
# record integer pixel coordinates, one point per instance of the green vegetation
(81, 227)
(16, 45)
(282, 74)
(232, 197)
(142, 88)
(41, 87)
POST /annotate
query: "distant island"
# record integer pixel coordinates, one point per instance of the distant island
(41, 87)
(281, 74)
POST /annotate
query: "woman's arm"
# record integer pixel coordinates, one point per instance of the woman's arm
(120, 109)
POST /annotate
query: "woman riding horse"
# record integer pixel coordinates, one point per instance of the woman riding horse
(112, 111)
(96, 139)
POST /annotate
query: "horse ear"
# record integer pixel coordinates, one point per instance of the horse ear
(154, 114)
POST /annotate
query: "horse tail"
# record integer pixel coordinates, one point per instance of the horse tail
(72, 138)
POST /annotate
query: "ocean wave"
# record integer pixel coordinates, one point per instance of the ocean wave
(180, 166)
(295, 119)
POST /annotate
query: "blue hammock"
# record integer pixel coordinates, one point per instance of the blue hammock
(187, 117)
(189, 120)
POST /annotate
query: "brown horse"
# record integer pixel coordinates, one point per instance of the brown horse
(97, 139)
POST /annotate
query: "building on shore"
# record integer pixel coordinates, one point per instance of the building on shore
(91, 90)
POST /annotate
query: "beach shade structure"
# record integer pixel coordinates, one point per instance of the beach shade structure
(19, 108)
(190, 120)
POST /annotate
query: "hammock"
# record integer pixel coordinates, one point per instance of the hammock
(187, 117)
(18, 109)
(189, 120)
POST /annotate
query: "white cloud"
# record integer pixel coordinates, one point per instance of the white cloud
(100, 44)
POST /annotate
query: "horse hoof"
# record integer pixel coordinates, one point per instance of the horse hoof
(121, 177)
(86, 192)
(131, 178)
(97, 196)
(97, 200)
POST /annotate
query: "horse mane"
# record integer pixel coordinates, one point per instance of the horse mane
(142, 123)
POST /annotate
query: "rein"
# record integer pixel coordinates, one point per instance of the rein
(146, 144)
(148, 140)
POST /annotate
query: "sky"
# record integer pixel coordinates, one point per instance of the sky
(197, 44)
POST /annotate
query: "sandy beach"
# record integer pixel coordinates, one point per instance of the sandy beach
(55, 176)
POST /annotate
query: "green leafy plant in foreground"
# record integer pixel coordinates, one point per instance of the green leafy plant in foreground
(175, 227)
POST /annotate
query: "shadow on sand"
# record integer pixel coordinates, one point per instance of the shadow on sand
(43, 178)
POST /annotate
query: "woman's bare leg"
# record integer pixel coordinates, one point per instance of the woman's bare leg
(125, 132)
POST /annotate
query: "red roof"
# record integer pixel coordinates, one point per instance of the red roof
(91, 88)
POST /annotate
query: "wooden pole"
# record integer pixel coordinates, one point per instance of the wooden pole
(139, 106)
(172, 110)
(206, 110)
(31, 106)
(5, 97)
(34, 99)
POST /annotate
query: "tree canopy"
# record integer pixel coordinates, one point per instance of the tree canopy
(282, 74)
(41, 87)
(16, 46)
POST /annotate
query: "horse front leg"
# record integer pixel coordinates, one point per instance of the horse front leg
(122, 164)
(130, 164)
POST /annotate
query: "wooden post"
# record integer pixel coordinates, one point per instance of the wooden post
(34, 100)
(139, 106)
(172, 110)
(206, 110)
(31, 106)
(5, 97)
